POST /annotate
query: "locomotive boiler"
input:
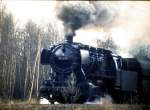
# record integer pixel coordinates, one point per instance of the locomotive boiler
(81, 73)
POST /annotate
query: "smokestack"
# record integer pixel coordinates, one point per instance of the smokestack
(69, 37)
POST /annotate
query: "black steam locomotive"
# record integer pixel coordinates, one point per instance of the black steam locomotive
(83, 73)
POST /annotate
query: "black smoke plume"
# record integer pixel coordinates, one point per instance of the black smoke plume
(80, 14)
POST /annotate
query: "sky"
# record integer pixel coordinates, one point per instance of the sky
(38, 11)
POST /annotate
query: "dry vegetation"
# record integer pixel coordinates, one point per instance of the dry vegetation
(72, 107)
(33, 105)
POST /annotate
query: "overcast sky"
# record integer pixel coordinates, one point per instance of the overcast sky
(38, 11)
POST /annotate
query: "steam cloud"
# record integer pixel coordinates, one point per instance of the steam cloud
(80, 14)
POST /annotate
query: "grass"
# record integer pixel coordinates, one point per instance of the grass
(72, 107)
(105, 106)
(33, 105)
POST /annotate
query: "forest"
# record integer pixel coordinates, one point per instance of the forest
(20, 69)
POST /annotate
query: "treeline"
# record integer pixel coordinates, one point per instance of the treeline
(20, 69)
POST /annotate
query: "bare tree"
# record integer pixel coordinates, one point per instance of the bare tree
(107, 44)
(141, 51)
(72, 91)
(8, 53)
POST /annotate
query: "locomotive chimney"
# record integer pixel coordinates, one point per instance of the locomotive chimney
(69, 37)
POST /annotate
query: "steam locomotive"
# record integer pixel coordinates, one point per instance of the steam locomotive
(82, 73)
